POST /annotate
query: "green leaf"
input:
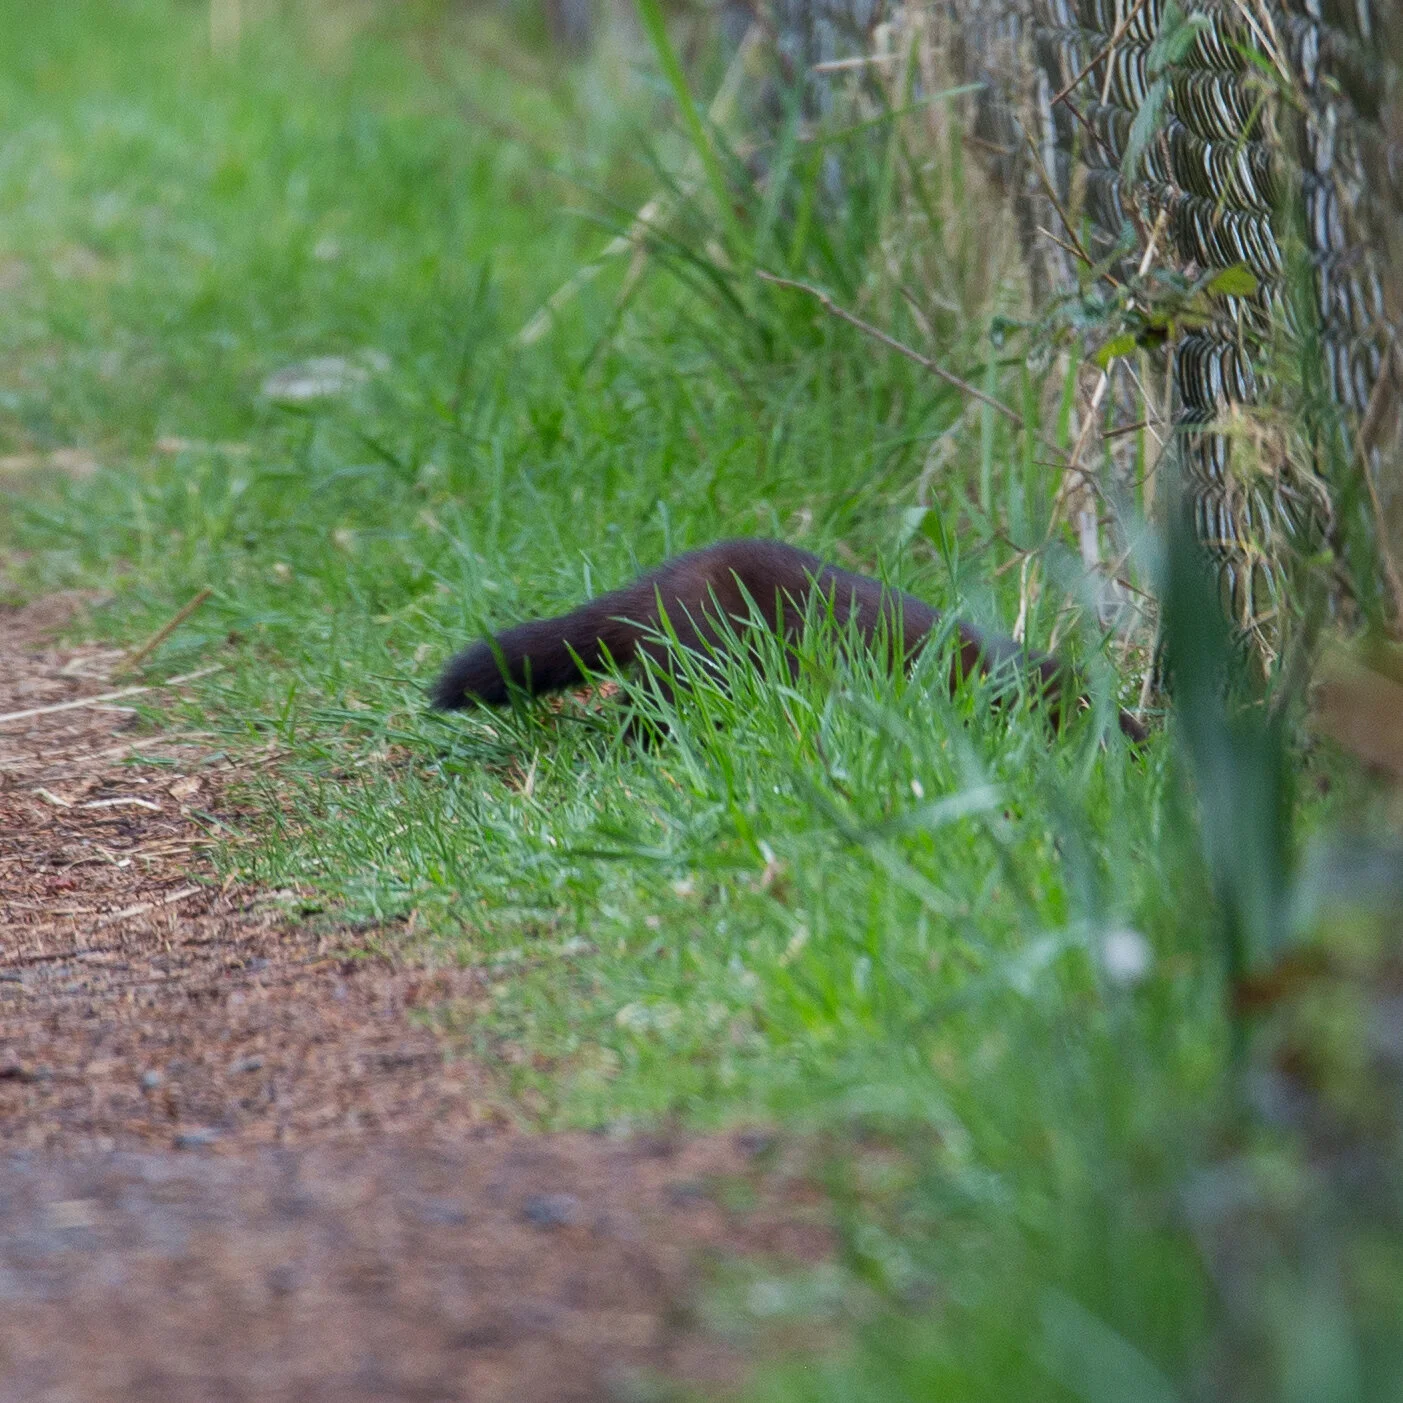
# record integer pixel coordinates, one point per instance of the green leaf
(1237, 281)
(1174, 38)
(1142, 130)
(1117, 346)
(1172, 42)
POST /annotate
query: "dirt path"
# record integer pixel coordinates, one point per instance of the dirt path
(233, 1165)
(140, 1004)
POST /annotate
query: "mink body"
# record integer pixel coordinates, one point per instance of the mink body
(700, 590)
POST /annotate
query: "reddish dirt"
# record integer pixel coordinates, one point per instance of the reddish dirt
(523, 1268)
(142, 1004)
(233, 1165)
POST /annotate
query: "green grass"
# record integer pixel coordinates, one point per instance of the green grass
(852, 904)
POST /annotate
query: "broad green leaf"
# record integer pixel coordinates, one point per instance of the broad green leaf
(1237, 281)
(1121, 345)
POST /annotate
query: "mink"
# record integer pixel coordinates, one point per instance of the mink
(708, 596)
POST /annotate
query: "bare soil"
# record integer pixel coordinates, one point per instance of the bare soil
(234, 1165)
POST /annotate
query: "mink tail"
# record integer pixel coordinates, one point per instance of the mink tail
(544, 655)
(698, 591)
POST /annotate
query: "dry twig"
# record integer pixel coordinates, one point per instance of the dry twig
(900, 347)
(1116, 35)
(165, 631)
(142, 907)
(103, 697)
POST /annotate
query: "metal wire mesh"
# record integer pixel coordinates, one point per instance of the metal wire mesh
(1275, 147)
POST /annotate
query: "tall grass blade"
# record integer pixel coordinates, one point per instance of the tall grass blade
(655, 25)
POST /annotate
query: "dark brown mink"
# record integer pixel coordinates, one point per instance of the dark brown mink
(708, 596)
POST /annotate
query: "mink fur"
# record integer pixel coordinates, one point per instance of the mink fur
(700, 590)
